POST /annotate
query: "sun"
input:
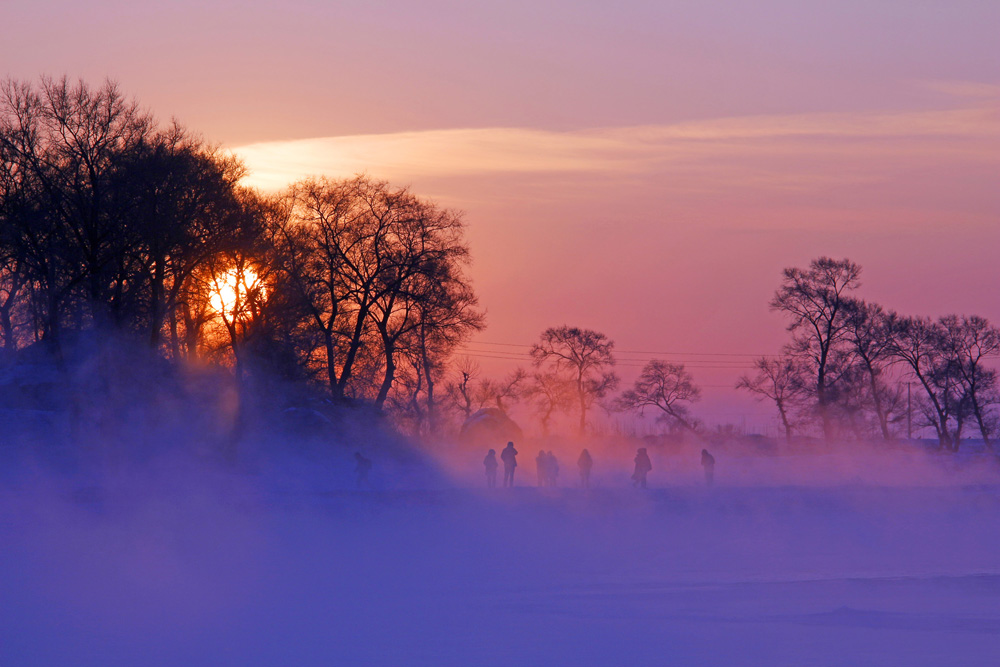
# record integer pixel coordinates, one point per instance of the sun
(230, 289)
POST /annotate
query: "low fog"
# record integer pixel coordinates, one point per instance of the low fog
(162, 516)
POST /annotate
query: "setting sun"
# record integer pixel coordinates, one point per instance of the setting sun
(230, 290)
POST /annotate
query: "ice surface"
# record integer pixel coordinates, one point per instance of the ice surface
(207, 567)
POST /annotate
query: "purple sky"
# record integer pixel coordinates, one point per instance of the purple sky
(645, 169)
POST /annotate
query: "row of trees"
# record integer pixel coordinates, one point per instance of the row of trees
(572, 371)
(109, 221)
(851, 365)
(852, 369)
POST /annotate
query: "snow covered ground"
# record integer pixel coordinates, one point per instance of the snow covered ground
(768, 567)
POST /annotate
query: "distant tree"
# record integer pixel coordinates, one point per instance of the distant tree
(969, 342)
(461, 390)
(777, 379)
(549, 393)
(917, 342)
(504, 391)
(446, 317)
(665, 386)
(584, 357)
(819, 303)
(868, 335)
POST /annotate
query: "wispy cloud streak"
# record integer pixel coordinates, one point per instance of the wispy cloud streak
(724, 145)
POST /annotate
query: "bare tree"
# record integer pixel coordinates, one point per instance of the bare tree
(504, 391)
(819, 303)
(549, 393)
(969, 341)
(917, 342)
(583, 356)
(460, 391)
(868, 334)
(382, 275)
(779, 380)
(60, 147)
(667, 387)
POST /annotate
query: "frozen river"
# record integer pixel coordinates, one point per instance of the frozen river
(223, 572)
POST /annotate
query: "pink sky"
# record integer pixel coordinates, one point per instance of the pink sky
(645, 169)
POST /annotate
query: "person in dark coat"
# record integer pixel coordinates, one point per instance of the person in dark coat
(552, 468)
(362, 467)
(542, 468)
(491, 465)
(642, 467)
(708, 462)
(509, 458)
(585, 463)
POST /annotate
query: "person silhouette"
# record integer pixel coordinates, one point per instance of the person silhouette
(542, 468)
(642, 467)
(708, 462)
(585, 463)
(362, 467)
(491, 465)
(509, 458)
(552, 468)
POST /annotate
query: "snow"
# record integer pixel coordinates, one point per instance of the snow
(775, 565)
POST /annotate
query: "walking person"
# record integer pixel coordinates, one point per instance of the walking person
(362, 467)
(552, 468)
(708, 462)
(509, 458)
(642, 467)
(585, 463)
(542, 468)
(491, 465)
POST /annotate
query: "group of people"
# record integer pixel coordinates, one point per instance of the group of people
(547, 467)
(509, 458)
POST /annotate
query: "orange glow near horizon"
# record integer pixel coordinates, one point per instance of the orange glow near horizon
(230, 290)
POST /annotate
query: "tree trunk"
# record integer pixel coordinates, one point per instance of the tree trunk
(784, 422)
(390, 374)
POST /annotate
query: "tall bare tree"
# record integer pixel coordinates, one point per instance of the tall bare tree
(869, 337)
(819, 303)
(585, 357)
(777, 379)
(969, 342)
(917, 342)
(668, 387)
(549, 392)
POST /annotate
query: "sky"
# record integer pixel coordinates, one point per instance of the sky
(645, 169)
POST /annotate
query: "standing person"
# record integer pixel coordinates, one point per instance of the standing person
(542, 468)
(585, 463)
(708, 462)
(552, 468)
(642, 467)
(362, 467)
(491, 465)
(509, 458)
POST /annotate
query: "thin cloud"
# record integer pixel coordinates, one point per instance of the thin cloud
(723, 148)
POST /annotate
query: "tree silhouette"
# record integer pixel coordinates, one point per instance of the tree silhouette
(584, 357)
(779, 380)
(667, 387)
(819, 303)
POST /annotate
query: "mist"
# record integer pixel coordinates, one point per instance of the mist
(140, 530)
